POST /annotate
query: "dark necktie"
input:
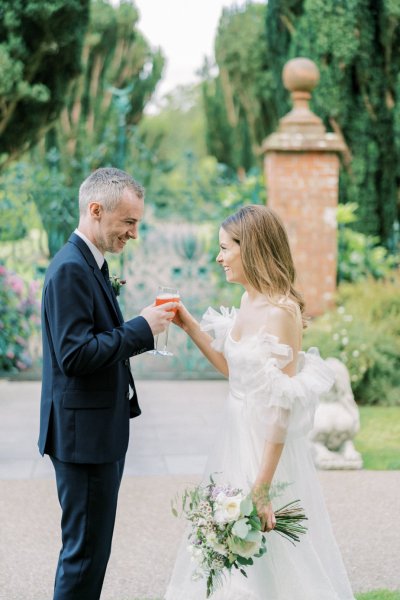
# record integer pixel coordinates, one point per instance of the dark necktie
(106, 273)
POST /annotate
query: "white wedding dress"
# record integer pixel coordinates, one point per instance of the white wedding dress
(265, 404)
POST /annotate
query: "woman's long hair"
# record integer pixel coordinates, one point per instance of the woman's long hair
(265, 252)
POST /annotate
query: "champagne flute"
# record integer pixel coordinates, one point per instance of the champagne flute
(165, 294)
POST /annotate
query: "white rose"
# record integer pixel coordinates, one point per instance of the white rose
(227, 508)
(248, 547)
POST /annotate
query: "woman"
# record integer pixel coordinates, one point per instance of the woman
(273, 391)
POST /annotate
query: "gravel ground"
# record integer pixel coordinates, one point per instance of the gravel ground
(364, 508)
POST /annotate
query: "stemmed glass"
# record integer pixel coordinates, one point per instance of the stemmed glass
(164, 294)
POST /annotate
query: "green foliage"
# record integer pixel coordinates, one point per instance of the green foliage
(16, 207)
(378, 438)
(238, 102)
(40, 47)
(356, 45)
(161, 145)
(379, 595)
(19, 318)
(360, 255)
(56, 202)
(98, 122)
(181, 180)
(119, 74)
(364, 333)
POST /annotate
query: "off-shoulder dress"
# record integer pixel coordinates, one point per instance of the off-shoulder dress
(265, 404)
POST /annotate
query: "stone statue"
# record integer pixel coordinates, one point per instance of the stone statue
(336, 423)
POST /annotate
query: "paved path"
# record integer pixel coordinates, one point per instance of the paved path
(168, 449)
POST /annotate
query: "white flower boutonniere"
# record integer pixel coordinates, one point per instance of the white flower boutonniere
(116, 284)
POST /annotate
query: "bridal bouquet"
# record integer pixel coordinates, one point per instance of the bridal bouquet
(226, 531)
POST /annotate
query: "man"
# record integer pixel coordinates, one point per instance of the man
(88, 393)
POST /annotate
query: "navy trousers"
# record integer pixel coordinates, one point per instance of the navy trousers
(88, 495)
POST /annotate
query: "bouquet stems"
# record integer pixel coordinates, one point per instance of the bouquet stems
(289, 521)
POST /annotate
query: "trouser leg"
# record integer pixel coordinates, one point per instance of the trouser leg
(88, 496)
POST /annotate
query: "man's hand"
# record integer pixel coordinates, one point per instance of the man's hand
(159, 317)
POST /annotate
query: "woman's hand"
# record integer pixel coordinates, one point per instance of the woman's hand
(183, 318)
(260, 494)
(267, 516)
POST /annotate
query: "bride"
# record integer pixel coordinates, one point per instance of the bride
(273, 391)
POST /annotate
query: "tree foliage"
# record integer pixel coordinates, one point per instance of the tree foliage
(40, 47)
(356, 45)
(239, 101)
(120, 72)
(106, 101)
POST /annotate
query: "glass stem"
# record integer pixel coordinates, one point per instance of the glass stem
(166, 337)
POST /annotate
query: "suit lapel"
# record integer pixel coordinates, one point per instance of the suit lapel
(112, 300)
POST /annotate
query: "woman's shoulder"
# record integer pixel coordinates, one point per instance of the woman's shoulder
(283, 311)
(283, 320)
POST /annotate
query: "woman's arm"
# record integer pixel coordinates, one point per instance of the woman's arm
(285, 326)
(203, 340)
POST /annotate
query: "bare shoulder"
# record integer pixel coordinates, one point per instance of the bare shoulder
(282, 321)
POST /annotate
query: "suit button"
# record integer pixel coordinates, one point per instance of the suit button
(126, 362)
(127, 395)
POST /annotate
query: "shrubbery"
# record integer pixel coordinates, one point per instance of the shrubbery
(19, 319)
(364, 333)
(360, 255)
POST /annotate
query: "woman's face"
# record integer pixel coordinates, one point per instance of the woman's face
(229, 258)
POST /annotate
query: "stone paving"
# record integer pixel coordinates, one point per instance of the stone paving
(169, 446)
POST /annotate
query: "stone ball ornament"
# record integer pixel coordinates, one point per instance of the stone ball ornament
(300, 75)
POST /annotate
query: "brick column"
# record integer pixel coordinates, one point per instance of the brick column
(301, 171)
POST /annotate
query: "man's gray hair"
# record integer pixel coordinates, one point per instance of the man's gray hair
(106, 187)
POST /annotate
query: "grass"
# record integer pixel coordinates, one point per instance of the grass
(379, 595)
(379, 438)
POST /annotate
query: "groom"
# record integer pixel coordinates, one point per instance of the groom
(88, 393)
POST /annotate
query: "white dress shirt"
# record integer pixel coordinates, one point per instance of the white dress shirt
(99, 258)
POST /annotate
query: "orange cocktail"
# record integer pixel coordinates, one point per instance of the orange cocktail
(167, 297)
(164, 295)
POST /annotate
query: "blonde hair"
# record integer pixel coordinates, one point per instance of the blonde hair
(265, 253)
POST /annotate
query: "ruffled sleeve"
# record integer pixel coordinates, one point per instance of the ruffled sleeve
(220, 323)
(285, 406)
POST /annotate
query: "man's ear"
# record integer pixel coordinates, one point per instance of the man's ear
(95, 210)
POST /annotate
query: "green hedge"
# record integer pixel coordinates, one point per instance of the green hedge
(364, 332)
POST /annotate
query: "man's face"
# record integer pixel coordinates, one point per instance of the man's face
(115, 228)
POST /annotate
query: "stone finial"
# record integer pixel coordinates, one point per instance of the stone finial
(301, 130)
(300, 76)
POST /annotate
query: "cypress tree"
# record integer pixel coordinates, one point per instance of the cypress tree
(356, 45)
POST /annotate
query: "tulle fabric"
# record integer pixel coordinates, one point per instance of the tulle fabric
(263, 405)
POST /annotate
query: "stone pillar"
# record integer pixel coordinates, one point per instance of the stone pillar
(302, 171)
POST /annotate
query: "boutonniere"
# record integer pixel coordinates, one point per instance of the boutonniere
(116, 284)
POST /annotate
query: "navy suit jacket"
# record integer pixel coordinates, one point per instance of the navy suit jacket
(85, 405)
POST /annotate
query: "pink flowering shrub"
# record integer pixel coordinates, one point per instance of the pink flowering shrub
(19, 319)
